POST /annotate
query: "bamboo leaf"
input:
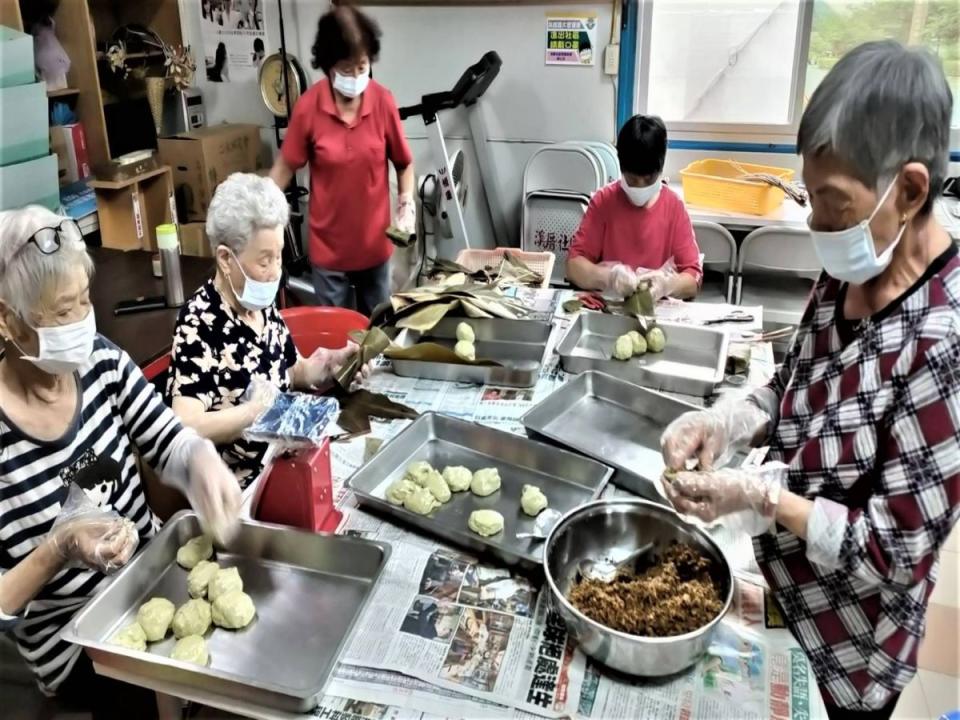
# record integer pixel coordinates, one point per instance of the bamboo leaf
(572, 306)
(426, 318)
(357, 407)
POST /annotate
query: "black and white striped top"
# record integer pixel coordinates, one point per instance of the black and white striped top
(119, 411)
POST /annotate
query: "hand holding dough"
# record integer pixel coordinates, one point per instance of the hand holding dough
(195, 550)
(192, 618)
(155, 617)
(532, 500)
(226, 580)
(132, 637)
(191, 649)
(485, 482)
(200, 577)
(485, 522)
(458, 478)
(233, 610)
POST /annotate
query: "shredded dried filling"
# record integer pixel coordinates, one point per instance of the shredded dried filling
(675, 595)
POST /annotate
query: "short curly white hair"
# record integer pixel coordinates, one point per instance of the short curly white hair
(25, 272)
(243, 204)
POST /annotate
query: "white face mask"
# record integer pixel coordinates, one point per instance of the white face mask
(64, 348)
(641, 196)
(256, 295)
(350, 86)
(851, 255)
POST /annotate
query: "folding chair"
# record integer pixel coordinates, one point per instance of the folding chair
(719, 261)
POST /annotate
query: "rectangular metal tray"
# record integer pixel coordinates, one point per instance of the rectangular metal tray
(613, 421)
(308, 589)
(518, 345)
(567, 479)
(692, 363)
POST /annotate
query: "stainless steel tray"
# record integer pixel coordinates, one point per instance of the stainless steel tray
(518, 345)
(567, 479)
(613, 421)
(693, 362)
(308, 588)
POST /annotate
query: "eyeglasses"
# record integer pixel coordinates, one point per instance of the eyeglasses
(50, 239)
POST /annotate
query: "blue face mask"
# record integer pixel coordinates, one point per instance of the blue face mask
(257, 294)
(641, 196)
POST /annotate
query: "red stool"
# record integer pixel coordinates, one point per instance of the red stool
(326, 327)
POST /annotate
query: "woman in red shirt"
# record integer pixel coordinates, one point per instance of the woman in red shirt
(347, 127)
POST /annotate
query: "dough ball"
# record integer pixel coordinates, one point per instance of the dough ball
(465, 350)
(132, 637)
(465, 333)
(398, 491)
(438, 487)
(233, 610)
(485, 482)
(656, 340)
(195, 550)
(458, 478)
(532, 500)
(639, 342)
(485, 522)
(200, 577)
(155, 617)
(191, 649)
(623, 348)
(421, 501)
(226, 580)
(418, 472)
(192, 618)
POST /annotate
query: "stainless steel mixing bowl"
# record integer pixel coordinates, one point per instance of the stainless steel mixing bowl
(613, 528)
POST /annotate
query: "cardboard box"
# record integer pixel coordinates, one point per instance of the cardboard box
(16, 58)
(70, 144)
(23, 117)
(30, 183)
(201, 159)
(194, 241)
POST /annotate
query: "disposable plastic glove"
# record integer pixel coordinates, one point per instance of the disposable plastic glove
(621, 280)
(744, 499)
(105, 544)
(195, 468)
(660, 283)
(710, 436)
(406, 215)
(259, 396)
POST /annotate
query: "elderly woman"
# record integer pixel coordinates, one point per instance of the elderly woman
(863, 417)
(74, 414)
(347, 128)
(230, 334)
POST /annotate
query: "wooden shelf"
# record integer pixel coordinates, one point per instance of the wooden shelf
(62, 92)
(119, 184)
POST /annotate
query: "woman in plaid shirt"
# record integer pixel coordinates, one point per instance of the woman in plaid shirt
(863, 417)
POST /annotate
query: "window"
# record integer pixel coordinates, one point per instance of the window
(840, 25)
(726, 62)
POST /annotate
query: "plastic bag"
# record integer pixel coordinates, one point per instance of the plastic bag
(295, 420)
(87, 535)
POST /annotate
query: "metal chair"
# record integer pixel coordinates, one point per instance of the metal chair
(777, 269)
(719, 257)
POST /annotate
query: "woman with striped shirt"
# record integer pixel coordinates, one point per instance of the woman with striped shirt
(74, 411)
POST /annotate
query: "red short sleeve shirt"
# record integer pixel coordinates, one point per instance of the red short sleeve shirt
(349, 190)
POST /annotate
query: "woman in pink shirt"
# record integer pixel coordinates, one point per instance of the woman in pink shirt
(636, 226)
(348, 129)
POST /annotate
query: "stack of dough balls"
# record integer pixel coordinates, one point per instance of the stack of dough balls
(633, 343)
(465, 348)
(217, 598)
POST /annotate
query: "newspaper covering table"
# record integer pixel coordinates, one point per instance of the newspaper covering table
(448, 635)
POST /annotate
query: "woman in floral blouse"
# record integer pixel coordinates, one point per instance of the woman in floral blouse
(863, 418)
(230, 332)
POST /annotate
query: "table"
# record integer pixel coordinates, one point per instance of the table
(127, 275)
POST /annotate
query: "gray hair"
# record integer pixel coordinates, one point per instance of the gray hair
(880, 107)
(243, 204)
(25, 272)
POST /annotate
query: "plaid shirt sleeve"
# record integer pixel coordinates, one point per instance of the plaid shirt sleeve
(893, 541)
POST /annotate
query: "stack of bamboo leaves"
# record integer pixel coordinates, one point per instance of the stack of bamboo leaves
(510, 270)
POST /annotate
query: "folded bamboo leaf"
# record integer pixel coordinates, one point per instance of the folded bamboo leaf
(640, 303)
(434, 352)
(472, 311)
(357, 407)
(428, 317)
(372, 343)
(455, 280)
(572, 306)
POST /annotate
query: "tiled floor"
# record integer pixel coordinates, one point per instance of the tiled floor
(936, 688)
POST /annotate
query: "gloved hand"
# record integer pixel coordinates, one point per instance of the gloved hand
(259, 396)
(621, 280)
(102, 543)
(406, 215)
(746, 498)
(323, 364)
(660, 283)
(211, 489)
(709, 436)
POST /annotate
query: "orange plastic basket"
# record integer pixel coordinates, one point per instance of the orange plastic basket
(539, 262)
(716, 184)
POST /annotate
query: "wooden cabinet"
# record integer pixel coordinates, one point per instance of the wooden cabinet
(130, 210)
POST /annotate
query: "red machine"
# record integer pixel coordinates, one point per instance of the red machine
(299, 492)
